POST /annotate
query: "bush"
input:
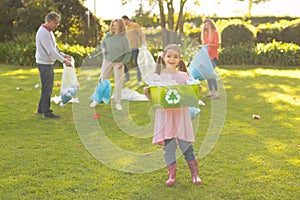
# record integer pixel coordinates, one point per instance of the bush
(236, 55)
(18, 51)
(17, 54)
(237, 34)
(275, 53)
(291, 34)
(266, 33)
(78, 52)
(4, 52)
(21, 52)
(283, 30)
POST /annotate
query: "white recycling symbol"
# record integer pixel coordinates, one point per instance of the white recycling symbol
(172, 96)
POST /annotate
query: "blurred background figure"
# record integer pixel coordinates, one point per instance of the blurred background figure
(135, 37)
(210, 36)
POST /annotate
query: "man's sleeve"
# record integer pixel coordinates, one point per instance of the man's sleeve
(49, 46)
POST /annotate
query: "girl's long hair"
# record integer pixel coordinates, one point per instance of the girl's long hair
(182, 66)
(210, 31)
(160, 64)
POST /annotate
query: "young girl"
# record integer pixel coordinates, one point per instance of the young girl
(210, 36)
(116, 53)
(173, 126)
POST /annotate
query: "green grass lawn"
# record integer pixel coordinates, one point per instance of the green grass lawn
(52, 159)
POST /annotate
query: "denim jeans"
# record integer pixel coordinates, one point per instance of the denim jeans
(47, 79)
(212, 83)
(134, 55)
(170, 150)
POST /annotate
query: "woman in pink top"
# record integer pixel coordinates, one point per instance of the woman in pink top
(210, 36)
(173, 126)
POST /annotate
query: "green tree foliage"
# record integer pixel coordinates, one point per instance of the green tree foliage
(8, 9)
(79, 25)
(32, 15)
(24, 17)
(169, 18)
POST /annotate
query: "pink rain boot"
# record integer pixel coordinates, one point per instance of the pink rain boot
(172, 174)
(193, 165)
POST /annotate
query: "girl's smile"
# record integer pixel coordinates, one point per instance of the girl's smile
(171, 58)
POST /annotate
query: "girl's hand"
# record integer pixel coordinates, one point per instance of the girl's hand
(200, 88)
(146, 91)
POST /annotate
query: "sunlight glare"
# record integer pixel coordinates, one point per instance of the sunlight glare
(20, 72)
(275, 97)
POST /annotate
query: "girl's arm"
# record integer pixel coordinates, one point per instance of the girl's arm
(200, 88)
(146, 91)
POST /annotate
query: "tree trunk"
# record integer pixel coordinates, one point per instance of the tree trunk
(162, 14)
(180, 21)
(170, 14)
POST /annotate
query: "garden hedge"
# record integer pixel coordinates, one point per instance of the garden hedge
(242, 43)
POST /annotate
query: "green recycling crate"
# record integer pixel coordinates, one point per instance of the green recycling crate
(174, 96)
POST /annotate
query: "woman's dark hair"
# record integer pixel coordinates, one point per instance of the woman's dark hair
(125, 17)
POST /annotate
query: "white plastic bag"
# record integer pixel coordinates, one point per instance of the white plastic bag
(69, 83)
(146, 63)
(131, 95)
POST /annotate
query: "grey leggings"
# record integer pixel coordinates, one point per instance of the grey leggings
(170, 149)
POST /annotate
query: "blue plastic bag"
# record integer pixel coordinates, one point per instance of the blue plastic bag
(68, 92)
(201, 67)
(194, 111)
(102, 92)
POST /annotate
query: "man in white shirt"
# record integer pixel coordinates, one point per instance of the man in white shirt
(46, 54)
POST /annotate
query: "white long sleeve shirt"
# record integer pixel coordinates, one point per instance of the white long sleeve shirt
(46, 50)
